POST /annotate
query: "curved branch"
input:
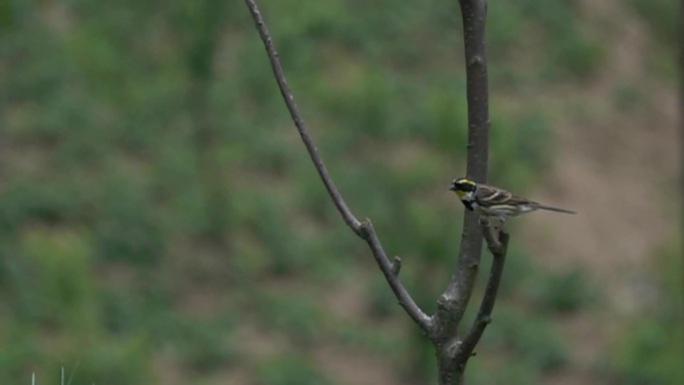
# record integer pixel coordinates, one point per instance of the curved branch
(391, 272)
(364, 230)
(341, 205)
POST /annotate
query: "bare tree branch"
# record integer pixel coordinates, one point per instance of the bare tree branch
(452, 304)
(454, 300)
(388, 269)
(364, 230)
(498, 248)
(442, 329)
(341, 205)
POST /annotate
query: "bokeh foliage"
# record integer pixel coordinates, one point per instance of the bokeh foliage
(652, 350)
(156, 205)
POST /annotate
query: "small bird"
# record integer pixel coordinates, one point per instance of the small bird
(492, 201)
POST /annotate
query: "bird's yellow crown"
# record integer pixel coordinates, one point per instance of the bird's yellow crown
(463, 187)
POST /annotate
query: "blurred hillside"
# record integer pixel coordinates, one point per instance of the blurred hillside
(160, 221)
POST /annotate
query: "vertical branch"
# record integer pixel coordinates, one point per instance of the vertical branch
(453, 302)
(474, 13)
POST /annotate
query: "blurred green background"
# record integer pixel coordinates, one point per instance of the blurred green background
(160, 222)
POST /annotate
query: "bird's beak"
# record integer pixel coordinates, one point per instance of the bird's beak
(452, 187)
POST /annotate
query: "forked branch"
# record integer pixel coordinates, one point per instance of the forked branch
(452, 351)
(442, 328)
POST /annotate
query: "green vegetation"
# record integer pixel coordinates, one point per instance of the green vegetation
(661, 17)
(155, 201)
(652, 350)
(291, 370)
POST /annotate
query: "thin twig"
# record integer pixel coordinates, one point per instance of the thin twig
(341, 205)
(388, 269)
(364, 230)
(495, 246)
(499, 249)
(396, 265)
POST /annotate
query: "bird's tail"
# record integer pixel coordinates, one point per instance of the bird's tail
(556, 209)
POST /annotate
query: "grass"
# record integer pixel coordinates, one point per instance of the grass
(62, 376)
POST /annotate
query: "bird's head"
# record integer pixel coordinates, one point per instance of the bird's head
(464, 188)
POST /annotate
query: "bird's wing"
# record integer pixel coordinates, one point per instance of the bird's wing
(491, 196)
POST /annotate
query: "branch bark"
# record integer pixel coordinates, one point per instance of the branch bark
(452, 352)
(454, 300)
(363, 229)
(498, 248)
